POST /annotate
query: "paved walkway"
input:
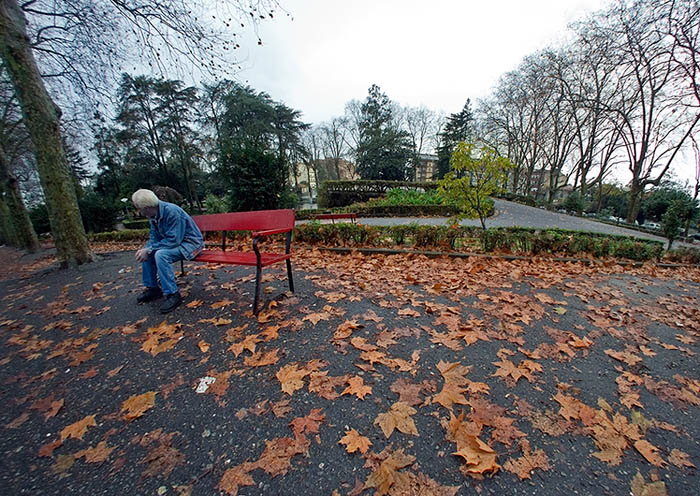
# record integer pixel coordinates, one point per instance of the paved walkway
(510, 214)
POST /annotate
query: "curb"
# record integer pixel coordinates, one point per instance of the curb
(452, 254)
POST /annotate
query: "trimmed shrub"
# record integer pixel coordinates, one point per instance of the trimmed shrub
(136, 224)
(343, 193)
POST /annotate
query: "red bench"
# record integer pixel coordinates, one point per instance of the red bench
(261, 223)
(333, 217)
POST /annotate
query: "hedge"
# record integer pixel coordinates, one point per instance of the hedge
(470, 238)
(517, 240)
(384, 211)
(343, 193)
(136, 224)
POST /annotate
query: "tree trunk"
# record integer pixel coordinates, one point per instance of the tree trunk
(635, 202)
(19, 230)
(41, 117)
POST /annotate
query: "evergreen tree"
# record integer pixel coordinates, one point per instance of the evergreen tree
(383, 150)
(258, 140)
(459, 127)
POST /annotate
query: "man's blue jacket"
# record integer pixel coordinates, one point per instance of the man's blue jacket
(172, 227)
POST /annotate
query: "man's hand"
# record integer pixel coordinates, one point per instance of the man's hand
(142, 255)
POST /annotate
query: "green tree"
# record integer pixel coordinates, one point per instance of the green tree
(176, 108)
(258, 140)
(383, 150)
(671, 222)
(477, 173)
(459, 127)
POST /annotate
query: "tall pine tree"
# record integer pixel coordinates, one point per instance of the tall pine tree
(459, 127)
(383, 150)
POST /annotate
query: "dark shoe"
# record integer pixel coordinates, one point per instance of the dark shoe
(172, 301)
(149, 294)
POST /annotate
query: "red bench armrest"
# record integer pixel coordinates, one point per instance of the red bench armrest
(271, 231)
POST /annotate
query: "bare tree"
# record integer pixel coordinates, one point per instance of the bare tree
(99, 33)
(650, 112)
(334, 142)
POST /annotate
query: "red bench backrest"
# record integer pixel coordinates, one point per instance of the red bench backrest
(256, 220)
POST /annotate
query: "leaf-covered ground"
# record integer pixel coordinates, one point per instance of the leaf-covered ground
(380, 375)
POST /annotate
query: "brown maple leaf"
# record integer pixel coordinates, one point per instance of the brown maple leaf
(98, 454)
(291, 378)
(315, 318)
(680, 459)
(649, 452)
(78, 429)
(236, 477)
(222, 303)
(194, 304)
(353, 441)
(387, 474)
(308, 424)
(398, 417)
(525, 465)
(276, 459)
(249, 343)
(47, 449)
(137, 405)
(259, 359)
(357, 387)
(408, 392)
(640, 487)
(203, 346)
(54, 409)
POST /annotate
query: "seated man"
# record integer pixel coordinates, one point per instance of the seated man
(174, 236)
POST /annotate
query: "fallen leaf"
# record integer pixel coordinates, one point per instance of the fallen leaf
(137, 405)
(680, 459)
(353, 441)
(387, 474)
(98, 454)
(398, 417)
(78, 429)
(357, 387)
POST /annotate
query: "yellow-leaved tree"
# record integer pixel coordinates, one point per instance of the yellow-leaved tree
(477, 172)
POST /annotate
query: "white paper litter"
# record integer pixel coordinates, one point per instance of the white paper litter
(204, 384)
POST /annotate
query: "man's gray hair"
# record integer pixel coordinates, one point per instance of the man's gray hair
(144, 198)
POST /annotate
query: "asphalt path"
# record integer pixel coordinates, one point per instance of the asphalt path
(511, 214)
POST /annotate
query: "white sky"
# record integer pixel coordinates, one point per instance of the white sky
(435, 53)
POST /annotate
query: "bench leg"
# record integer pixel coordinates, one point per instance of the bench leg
(258, 273)
(289, 275)
(182, 268)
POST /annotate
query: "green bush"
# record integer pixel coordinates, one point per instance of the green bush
(343, 193)
(130, 235)
(400, 197)
(684, 255)
(136, 224)
(574, 203)
(216, 205)
(512, 240)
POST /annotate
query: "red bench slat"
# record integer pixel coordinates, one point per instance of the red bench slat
(259, 220)
(240, 258)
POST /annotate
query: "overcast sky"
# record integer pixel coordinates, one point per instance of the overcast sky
(436, 53)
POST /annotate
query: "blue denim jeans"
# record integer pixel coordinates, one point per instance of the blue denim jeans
(160, 265)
